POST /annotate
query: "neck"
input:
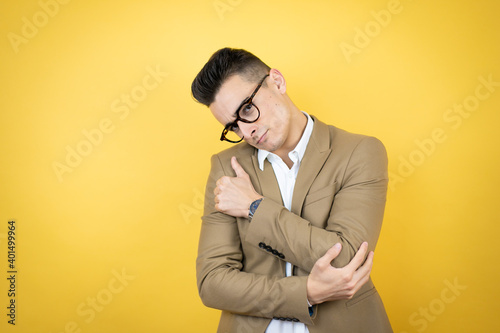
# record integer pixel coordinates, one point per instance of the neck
(298, 122)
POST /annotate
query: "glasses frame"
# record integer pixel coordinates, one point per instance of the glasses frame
(246, 101)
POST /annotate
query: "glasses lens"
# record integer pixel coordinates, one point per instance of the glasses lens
(249, 112)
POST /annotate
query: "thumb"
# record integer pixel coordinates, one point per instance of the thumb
(331, 254)
(240, 172)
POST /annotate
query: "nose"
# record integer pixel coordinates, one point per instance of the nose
(248, 130)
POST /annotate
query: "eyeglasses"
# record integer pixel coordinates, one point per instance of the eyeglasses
(247, 112)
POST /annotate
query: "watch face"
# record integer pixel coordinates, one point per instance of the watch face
(253, 207)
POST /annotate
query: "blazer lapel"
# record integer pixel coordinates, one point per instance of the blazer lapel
(267, 183)
(317, 151)
(268, 187)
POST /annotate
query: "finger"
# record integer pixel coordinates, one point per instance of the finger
(363, 273)
(367, 265)
(359, 257)
(331, 254)
(237, 168)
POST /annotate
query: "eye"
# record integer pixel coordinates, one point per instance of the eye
(247, 108)
(234, 127)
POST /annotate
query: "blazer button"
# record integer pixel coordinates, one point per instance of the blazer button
(268, 248)
(275, 252)
(262, 245)
(281, 256)
(295, 320)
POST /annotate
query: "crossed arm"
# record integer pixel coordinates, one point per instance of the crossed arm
(222, 282)
(233, 196)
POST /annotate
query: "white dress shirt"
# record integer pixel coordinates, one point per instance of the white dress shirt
(286, 180)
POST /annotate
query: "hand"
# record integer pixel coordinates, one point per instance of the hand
(234, 195)
(327, 283)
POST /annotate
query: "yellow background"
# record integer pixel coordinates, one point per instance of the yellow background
(133, 204)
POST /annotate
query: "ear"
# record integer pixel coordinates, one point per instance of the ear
(277, 80)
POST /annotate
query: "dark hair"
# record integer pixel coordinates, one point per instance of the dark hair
(221, 65)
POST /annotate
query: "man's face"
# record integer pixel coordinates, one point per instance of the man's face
(270, 131)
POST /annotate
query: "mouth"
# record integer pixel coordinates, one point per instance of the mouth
(262, 137)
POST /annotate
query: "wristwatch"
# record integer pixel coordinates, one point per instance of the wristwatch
(253, 208)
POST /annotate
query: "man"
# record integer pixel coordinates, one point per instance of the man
(290, 212)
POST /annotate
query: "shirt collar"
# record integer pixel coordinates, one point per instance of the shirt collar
(300, 149)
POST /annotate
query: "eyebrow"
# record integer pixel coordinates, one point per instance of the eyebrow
(239, 107)
(235, 114)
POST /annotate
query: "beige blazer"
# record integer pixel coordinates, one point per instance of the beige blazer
(339, 196)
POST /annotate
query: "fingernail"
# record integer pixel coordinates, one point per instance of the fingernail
(337, 246)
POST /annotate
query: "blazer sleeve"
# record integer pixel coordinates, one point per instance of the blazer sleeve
(355, 216)
(221, 282)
